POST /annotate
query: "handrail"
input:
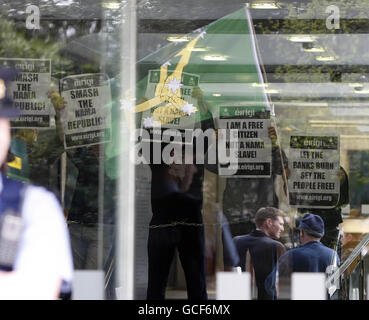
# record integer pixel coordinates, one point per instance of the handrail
(357, 250)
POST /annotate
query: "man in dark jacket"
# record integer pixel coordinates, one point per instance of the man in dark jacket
(264, 249)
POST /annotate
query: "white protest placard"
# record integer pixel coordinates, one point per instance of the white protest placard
(314, 164)
(87, 116)
(29, 91)
(170, 113)
(252, 146)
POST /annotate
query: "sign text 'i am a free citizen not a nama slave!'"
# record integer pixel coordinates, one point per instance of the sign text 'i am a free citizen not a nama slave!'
(250, 144)
(314, 165)
(87, 117)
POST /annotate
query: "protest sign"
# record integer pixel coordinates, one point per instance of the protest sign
(251, 146)
(314, 164)
(87, 116)
(29, 91)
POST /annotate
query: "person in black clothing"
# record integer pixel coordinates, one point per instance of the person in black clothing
(243, 197)
(83, 216)
(263, 247)
(177, 222)
(176, 200)
(40, 151)
(82, 213)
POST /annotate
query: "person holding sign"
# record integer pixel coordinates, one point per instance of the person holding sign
(177, 222)
(35, 152)
(332, 217)
(34, 146)
(242, 197)
(35, 255)
(318, 184)
(82, 213)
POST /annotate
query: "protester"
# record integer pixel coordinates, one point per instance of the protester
(177, 221)
(85, 223)
(332, 217)
(243, 197)
(176, 201)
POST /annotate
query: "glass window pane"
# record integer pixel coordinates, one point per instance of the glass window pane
(164, 127)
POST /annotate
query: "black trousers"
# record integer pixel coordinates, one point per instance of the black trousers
(190, 243)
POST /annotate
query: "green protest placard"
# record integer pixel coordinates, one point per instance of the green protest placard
(176, 107)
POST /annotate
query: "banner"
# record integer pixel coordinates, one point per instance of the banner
(314, 162)
(87, 116)
(29, 91)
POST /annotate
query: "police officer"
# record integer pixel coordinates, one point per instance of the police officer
(35, 255)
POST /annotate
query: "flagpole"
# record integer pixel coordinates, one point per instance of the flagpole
(257, 56)
(125, 252)
(262, 75)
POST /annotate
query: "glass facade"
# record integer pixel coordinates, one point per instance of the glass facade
(164, 127)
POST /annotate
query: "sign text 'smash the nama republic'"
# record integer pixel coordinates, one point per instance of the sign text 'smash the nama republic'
(29, 91)
(87, 116)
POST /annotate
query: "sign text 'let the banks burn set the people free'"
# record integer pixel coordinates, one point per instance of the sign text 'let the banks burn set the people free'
(248, 141)
(29, 91)
(314, 164)
(87, 117)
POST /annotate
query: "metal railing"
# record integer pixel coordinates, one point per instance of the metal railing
(333, 281)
